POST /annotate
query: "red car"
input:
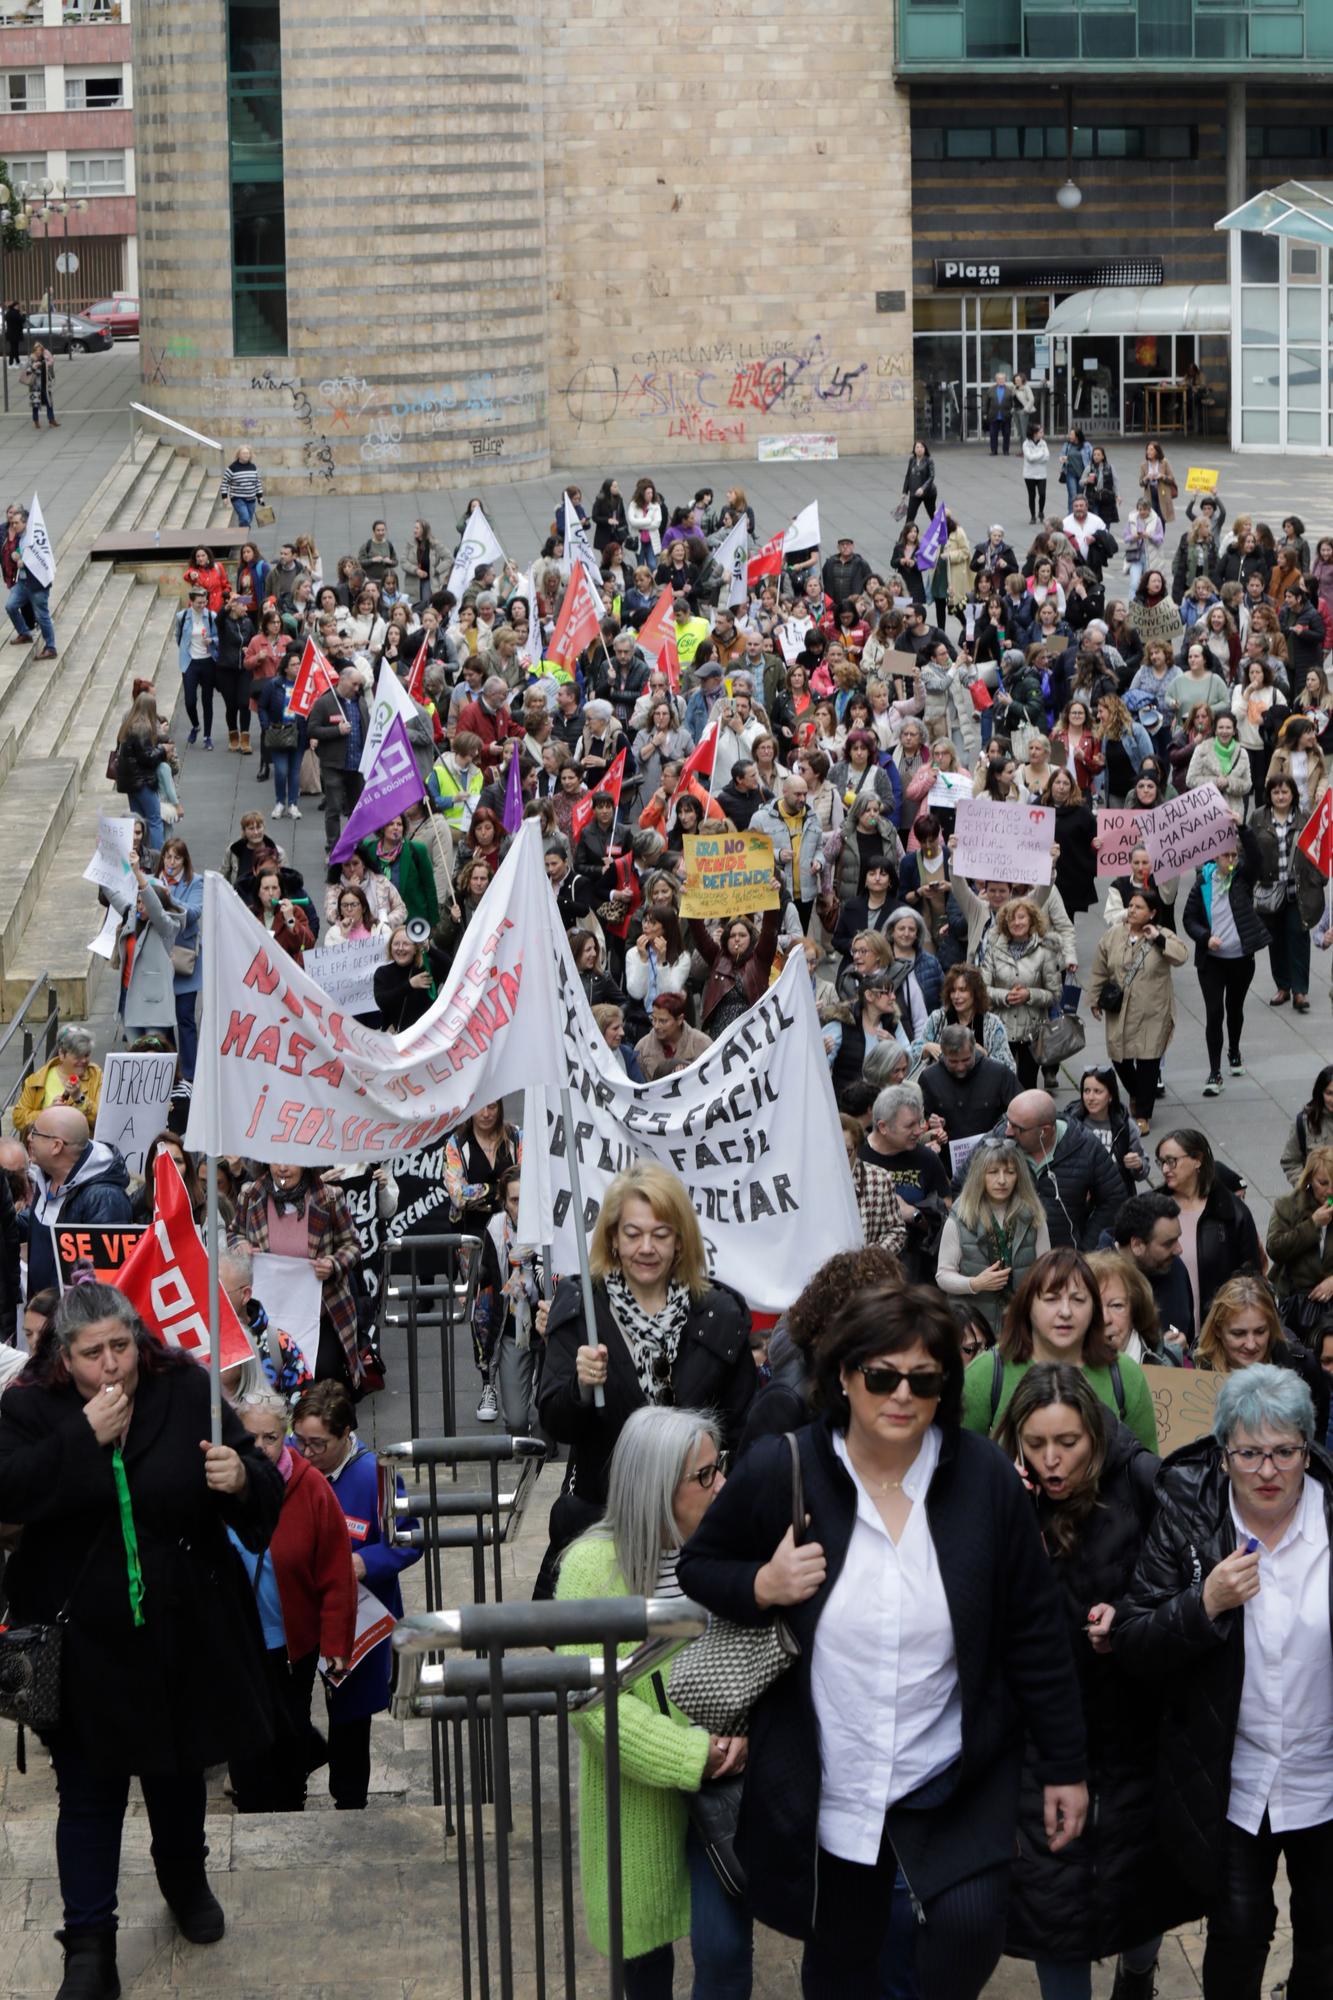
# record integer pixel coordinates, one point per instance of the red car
(120, 317)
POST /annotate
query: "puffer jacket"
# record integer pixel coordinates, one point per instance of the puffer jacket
(1107, 1889)
(1250, 926)
(1037, 968)
(1194, 1664)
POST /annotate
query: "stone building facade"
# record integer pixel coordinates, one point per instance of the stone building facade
(394, 247)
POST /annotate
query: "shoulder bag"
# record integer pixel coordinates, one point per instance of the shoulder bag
(30, 1661)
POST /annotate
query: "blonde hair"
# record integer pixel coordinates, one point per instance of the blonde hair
(1228, 1300)
(665, 1195)
(1041, 923)
(974, 1204)
(1319, 1160)
(1110, 1267)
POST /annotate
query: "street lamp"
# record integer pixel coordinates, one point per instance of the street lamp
(56, 203)
(11, 216)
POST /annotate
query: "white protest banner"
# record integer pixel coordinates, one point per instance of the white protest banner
(373, 1626)
(751, 1128)
(798, 445)
(949, 789)
(578, 544)
(1184, 831)
(791, 638)
(732, 558)
(38, 555)
(346, 971)
(284, 1075)
(960, 1152)
(1118, 834)
(109, 868)
(290, 1294)
(999, 842)
(391, 698)
(135, 1099)
(479, 545)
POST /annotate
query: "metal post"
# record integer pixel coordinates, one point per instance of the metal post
(581, 1236)
(615, 1916)
(214, 1314)
(503, 1817)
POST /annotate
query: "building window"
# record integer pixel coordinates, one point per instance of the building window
(24, 90)
(258, 196)
(1038, 142)
(94, 89)
(96, 173)
(26, 169)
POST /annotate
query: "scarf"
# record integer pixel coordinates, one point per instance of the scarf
(652, 1338)
(128, 1534)
(1226, 754)
(522, 1288)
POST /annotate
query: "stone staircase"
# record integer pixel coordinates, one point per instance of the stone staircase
(58, 719)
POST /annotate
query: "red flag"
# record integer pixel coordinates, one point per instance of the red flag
(699, 763)
(579, 621)
(166, 1278)
(416, 677)
(657, 636)
(766, 561)
(1315, 838)
(314, 677)
(612, 782)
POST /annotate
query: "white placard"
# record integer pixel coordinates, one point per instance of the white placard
(950, 789)
(290, 1294)
(999, 842)
(135, 1099)
(961, 1151)
(109, 868)
(346, 970)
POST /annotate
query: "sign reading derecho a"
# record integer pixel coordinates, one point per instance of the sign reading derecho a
(999, 842)
(728, 875)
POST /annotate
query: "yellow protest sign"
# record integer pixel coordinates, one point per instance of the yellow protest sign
(728, 875)
(1183, 1400)
(1201, 479)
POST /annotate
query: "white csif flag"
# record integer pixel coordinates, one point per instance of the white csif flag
(391, 698)
(578, 548)
(731, 557)
(804, 530)
(479, 545)
(38, 555)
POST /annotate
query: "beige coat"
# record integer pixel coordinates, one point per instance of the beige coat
(1038, 969)
(1145, 1024)
(1166, 480)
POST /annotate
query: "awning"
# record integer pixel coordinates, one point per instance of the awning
(1300, 209)
(1144, 309)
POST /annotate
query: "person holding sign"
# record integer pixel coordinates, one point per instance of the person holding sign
(1227, 1616)
(1228, 933)
(1131, 991)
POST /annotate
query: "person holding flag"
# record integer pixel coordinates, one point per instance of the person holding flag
(283, 735)
(934, 572)
(337, 725)
(29, 601)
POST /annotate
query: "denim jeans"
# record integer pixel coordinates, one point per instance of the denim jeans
(286, 768)
(187, 1033)
(46, 402)
(721, 1942)
(244, 510)
(146, 801)
(1066, 1980)
(88, 1832)
(29, 603)
(198, 680)
(1289, 948)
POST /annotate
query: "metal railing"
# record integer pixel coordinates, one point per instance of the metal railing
(215, 444)
(48, 1033)
(441, 1273)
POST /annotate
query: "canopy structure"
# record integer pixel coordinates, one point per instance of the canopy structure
(1300, 209)
(1144, 309)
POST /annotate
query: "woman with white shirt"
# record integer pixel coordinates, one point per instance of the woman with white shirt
(1227, 1620)
(886, 1745)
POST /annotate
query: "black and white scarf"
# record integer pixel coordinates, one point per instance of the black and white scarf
(652, 1338)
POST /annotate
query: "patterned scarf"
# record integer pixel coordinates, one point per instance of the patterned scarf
(652, 1338)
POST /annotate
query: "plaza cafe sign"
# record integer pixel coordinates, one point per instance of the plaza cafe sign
(1043, 273)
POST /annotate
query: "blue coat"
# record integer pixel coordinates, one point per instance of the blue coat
(356, 1489)
(189, 896)
(270, 699)
(183, 626)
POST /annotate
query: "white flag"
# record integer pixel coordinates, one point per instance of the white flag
(804, 530)
(38, 555)
(391, 698)
(530, 652)
(479, 545)
(579, 548)
(731, 558)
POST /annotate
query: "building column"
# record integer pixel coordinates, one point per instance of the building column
(1237, 161)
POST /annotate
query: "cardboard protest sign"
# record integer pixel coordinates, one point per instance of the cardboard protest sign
(346, 970)
(1183, 1400)
(1118, 834)
(728, 875)
(1184, 831)
(135, 1099)
(1201, 479)
(109, 868)
(106, 1246)
(1009, 843)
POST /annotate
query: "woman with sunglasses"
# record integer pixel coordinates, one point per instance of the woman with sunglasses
(1227, 1622)
(1056, 1315)
(1092, 1495)
(323, 1429)
(884, 1745)
(1218, 1237)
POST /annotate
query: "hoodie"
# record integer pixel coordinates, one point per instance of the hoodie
(96, 1191)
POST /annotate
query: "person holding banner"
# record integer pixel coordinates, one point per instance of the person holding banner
(739, 966)
(288, 1211)
(124, 1506)
(282, 914)
(1228, 933)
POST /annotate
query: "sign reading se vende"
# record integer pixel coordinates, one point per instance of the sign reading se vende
(728, 875)
(106, 1246)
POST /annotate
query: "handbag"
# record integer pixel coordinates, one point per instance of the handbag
(980, 693)
(264, 515)
(312, 778)
(30, 1661)
(1270, 897)
(714, 1813)
(1112, 997)
(184, 958)
(718, 1680)
(1058, 1038)
(281, 736)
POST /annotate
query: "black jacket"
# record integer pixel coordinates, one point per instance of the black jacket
(137, 759)
(920, 475)
(1080, 1187)
(401, 1003)
(1125, 1138)
(234, 635)
(1103, 1891)
(846, 580)
(972, 1103)
(1250, 926)
(1228, 1243)
(189, 1686)
(1196, 1666)
(1014, 1666)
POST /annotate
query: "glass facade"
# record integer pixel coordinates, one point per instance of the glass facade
(258, 213)
(1114, 34)
(1281, 309)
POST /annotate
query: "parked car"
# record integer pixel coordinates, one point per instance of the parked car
(120, 317)
(65, 333)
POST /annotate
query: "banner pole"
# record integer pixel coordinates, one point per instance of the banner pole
(444, 858)
(581, 1238)
(214, 1308)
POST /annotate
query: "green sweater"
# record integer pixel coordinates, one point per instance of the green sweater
(661, 1758)
(978, 1381)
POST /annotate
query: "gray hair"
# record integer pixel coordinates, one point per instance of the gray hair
(266, 1400)
(83, 1305)
(598, 710)
(74, 1041)
(894, 1099)
(238, 1257)
(495, 685)
(956, 1039)
(1249, 1398)
(647, 1465)
(486, 597)
(1096, 625)
(882, 1059)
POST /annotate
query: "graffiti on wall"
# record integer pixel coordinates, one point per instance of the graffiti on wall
(696, 391)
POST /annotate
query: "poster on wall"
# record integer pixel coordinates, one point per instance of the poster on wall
(800, 445)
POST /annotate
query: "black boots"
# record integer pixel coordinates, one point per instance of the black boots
(197, 1911)
(90, 1965)
(1134, 1985)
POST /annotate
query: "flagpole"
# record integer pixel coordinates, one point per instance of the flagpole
(444, 858)
(214, 1304)
(590, 1334)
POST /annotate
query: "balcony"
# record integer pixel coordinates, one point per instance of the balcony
(1216, 37)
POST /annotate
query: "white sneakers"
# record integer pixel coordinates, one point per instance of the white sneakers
(286, 812)
(488, 1409)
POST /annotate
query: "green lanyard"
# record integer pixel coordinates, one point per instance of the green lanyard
(128, 1534)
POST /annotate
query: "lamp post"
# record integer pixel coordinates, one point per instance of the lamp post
(53, 201)
(11, 217)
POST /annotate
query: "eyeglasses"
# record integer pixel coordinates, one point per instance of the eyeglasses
(923, 1382)
(313, 1447)
(1250, 1459)
(707, 1475)
(33, 1133)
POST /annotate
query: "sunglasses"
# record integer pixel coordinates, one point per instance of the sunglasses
(927, 1383)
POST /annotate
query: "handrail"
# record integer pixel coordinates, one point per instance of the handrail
(50, 1030)
(158, 418)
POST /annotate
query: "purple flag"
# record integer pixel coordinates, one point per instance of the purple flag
(512, 816)
(932, 542)
(393, 783)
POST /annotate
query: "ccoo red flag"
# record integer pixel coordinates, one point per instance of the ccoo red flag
(766, 561)
(416, 677)
(314, 677)
(579, 621)
(166, 1279)
(582, 813)
(1315, 839)
(657, 636)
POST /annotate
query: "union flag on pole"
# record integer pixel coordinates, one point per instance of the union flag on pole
(657, 636)
(166, 1278)
(416, 677)
(582, 813)
(314, 677)
(766, 561)
(1315, 839)
(579, 620)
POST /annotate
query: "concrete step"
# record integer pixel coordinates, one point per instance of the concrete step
(38, 709)
(25, 680)
(154, 510)
(103, 666)
(193, 505)
(36, 802)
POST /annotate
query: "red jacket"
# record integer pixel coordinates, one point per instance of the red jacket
(753, 970)
(312, 1561)
(492, 729)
